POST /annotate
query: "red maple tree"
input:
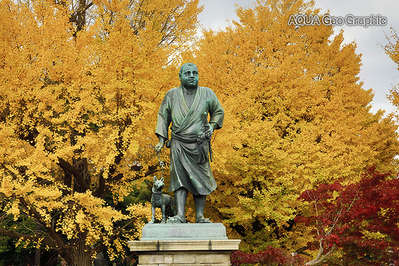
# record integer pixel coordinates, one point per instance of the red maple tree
(269, 256)
(361, 219)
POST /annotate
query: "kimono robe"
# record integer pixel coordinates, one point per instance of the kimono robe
(189, 162)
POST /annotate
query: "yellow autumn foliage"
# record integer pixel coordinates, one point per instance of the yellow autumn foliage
(296, 116)
(79, 82)
(81, 85)
(392, 50)
(373, 235)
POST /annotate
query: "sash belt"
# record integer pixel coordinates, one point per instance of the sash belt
(202, 145)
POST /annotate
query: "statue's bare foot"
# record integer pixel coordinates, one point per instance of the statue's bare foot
(203, 220)
(176, 220)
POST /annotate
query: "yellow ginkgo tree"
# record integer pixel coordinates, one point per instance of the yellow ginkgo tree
(296, 116)
(392, 50)
(80, 83)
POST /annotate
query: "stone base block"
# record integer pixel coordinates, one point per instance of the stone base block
(186, 258)
(174, 264)
(204, 231)
(184, 252)
(184, 244)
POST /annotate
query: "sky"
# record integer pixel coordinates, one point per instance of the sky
(378, 72)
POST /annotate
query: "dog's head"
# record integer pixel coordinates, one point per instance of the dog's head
(158, 184)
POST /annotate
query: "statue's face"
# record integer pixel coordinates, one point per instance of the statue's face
(189, 76)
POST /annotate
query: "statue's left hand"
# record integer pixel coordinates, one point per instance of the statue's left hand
(209, 131)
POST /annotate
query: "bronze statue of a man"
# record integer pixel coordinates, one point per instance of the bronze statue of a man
(187, 108)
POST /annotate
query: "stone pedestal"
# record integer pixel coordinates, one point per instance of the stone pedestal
(184, 244)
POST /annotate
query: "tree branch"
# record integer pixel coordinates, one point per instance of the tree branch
(320, 257)
(36, 216)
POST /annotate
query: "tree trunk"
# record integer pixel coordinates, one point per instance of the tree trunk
(81, 258)
(37, 257)
(78, 255)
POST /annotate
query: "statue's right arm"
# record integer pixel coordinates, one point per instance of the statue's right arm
(163, 122)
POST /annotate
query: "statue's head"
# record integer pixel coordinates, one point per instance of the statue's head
(188, 75)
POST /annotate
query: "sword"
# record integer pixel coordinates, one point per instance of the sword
(206, 127)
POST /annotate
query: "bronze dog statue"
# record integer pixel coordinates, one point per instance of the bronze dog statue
(160, 200)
